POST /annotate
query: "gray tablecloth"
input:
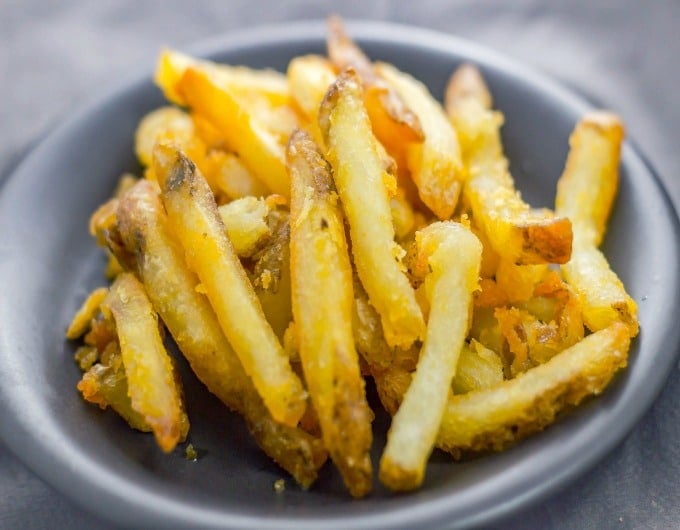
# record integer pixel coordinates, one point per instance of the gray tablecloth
(55, 55)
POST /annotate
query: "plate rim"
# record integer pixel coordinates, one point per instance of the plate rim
(429, 510)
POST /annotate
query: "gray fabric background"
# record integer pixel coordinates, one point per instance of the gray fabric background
(624, 54)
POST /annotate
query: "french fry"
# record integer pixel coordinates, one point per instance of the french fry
(105, 384)
(193, 215)
(168, 123)
(153, 386)
(245, 220)
(258, 147)
(87, 311)
(585, 193)
(494, 418)
(518, 233)
(478, 368)
(322, 308)
(244, 81)
(436, 164)
(172, 289)
(309, 77)
(360, 181)
(394, 123)
(453, 255)
(271, 274)
(229, 177)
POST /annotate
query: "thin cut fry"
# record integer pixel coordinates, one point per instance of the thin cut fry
(494, 418)
(453, 254)
(87, 311)
(153, 386)
(258, 148)
(322, 308)
(360, 181)
(193, 215)
(240, 79)
(585, 193)
(517, 232)
(436, 164)
(172, 289)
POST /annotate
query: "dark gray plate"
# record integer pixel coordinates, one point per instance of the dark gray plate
(48, 263)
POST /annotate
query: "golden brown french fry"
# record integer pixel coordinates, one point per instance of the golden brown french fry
(517, 232)
(585, 193)
(394, 123)
(153, 386)
(360, 181)
(322, 307)
(87, 311)
(193, 215)
(244, 81)
(258, 147)
(436, 164)
(494, 418)
(453, 254)
(172, 289)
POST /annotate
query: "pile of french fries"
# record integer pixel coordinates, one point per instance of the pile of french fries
(296, 233)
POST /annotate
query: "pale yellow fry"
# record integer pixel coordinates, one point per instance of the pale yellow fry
(246, 81)
(152, 385)
(517, 232)
(172, 289)
(360, 181)
(258, 147)
(245, 220)
(309, 77)
(164, 121)
(194, 218)
(436, 164)
(454, 255)
(585, 193)
(322, 307)
(86, 312)
(496, 417)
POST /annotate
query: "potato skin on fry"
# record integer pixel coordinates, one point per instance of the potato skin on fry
(192, 323)
(394, 123)
(194, 218)
(360, 180)
(322, 307)
(152, 385)
(497, 417)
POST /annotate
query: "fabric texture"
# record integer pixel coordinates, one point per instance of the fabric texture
(620, 54)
